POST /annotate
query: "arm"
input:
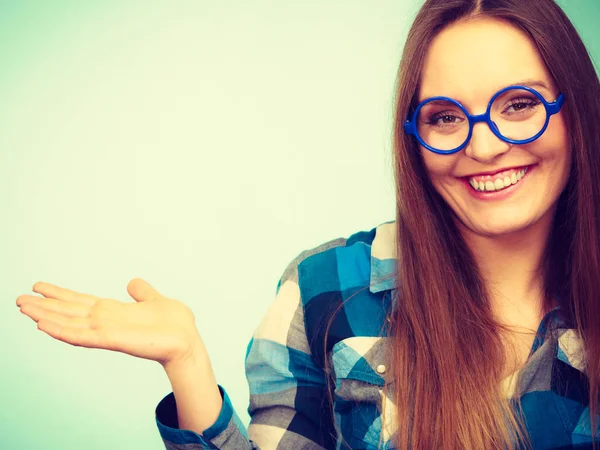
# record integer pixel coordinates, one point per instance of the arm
(198, 404)
(288, 399)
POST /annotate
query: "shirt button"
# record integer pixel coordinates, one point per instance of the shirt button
(380, 368)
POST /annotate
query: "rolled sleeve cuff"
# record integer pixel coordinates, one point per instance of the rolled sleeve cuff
(168, 423)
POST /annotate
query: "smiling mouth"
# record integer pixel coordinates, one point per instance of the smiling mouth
(497, 182)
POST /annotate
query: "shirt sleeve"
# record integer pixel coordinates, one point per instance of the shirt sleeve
(289, 403)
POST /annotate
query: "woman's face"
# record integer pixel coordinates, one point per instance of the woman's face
(470, 61)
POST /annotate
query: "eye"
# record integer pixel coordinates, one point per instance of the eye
(444, 118)
(521, 105)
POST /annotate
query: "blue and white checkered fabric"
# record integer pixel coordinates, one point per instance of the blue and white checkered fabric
(289, 401)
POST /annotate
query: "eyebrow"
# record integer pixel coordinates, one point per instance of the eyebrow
(527, 83)
(531, 83)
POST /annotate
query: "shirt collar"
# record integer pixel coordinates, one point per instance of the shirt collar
(383, 258)
(384, 276)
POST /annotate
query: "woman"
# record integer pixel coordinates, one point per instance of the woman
(472, 321)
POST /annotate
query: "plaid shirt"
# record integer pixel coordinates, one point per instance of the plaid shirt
(289, 401)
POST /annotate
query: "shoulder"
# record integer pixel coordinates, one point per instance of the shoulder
(339, 263)
(342, 285)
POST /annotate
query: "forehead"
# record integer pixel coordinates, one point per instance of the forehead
(471, 60)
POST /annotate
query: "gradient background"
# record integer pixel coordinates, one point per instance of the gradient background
(198, 145)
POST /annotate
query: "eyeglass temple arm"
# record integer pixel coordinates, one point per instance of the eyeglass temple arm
(409, 127)
(555, 106)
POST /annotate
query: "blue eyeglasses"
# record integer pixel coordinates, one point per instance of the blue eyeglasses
(516, 114)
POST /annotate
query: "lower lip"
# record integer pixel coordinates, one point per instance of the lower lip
(498, 195)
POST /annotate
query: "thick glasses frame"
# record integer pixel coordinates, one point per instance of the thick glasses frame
(410, 126)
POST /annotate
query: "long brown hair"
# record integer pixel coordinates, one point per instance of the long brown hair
(446, 389)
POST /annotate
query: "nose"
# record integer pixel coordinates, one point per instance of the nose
(484, 145)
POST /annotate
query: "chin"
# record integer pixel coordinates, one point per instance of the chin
(497, 231)
(496, 228)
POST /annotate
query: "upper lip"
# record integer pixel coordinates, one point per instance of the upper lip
(494, 172)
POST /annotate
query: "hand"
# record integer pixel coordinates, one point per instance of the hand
(155, 327)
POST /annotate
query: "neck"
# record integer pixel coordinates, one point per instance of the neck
(510, 265)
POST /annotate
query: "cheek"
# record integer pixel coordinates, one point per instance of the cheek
(554, 147)
(438, 166)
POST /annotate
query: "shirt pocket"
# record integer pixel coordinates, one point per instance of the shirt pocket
(359, 367)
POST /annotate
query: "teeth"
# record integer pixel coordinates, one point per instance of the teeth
(499, 183)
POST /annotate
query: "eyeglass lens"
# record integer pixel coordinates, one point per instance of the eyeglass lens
(518, 114)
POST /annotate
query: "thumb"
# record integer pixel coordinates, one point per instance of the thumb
(141, 291)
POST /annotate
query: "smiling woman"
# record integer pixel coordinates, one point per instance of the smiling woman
(471, 321)
(497, 234)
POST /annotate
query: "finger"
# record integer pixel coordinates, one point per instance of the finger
(51, 290)
(65, 309)
(22, 299)
(141, 291)
(69, 309)
(38, 314)
(79, 337)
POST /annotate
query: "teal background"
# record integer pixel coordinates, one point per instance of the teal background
(198, 145)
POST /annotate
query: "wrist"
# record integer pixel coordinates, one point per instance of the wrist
(191, 353)
(196, 391)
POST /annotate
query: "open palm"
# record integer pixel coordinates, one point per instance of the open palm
(154, 327)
